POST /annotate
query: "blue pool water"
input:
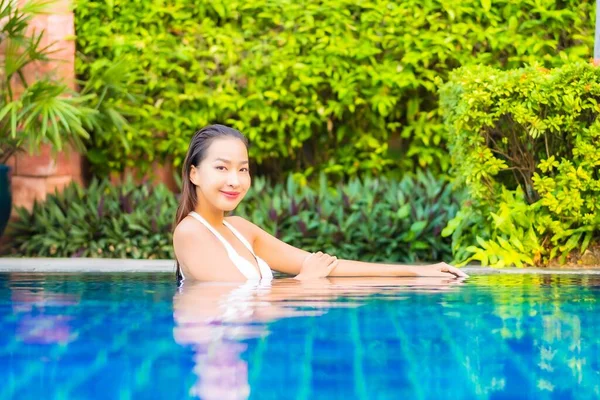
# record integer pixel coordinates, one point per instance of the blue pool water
(138, 337)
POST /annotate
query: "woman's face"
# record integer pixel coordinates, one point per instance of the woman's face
(222, 178)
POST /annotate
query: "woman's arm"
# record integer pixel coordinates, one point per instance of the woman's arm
(358, 268)
(288, 259)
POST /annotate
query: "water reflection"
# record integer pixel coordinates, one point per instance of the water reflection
(35, 310)
(213, 318)
(490, 337)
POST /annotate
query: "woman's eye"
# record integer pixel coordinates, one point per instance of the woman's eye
(244, 169)
(221, 168)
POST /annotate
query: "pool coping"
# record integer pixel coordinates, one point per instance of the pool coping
(90, 265)
(108, 265)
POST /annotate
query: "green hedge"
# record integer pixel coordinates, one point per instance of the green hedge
(378, 220)
(338, 86)
(525, 143)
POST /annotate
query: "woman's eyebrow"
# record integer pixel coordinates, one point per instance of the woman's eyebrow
(229, 161)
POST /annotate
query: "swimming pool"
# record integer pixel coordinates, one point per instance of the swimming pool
(134, 336)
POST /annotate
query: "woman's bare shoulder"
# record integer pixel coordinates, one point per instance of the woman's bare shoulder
(191, 239)
(240, 222)
(189, 229)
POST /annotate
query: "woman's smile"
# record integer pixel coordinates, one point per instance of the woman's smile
(230, 195)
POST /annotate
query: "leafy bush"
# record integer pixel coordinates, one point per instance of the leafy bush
(374, 220)
(525, 143)
(110, 89)
(129, 221)
(320, 85)
(378, 220)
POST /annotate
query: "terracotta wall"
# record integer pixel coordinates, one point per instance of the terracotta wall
(35, 175)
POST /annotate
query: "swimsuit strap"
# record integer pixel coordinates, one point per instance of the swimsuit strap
(240, 237)
(263, 267)
(243, 265)
(228, 246)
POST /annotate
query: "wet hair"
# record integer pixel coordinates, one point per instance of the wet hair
(197, 150)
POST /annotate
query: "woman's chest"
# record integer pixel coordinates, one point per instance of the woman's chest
(239, 247)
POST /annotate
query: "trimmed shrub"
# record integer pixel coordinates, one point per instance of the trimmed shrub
(337, 86)
(525, 144)
(378, 220)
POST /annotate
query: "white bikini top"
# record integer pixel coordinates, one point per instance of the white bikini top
(243, 265)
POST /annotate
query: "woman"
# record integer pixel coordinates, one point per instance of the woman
(212, 247)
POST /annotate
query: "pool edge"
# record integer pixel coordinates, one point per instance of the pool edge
(94, 265)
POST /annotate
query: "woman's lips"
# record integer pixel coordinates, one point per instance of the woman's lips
(231, 195)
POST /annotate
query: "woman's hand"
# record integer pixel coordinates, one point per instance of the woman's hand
(317, 265)
(440, 269)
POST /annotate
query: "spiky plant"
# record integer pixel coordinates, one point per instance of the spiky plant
(37, 111)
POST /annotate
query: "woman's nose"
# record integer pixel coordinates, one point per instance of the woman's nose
(233, 179)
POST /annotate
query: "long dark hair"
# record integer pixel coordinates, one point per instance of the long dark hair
(199, 144)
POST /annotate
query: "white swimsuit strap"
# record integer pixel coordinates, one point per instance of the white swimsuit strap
(243, 265)
(265, 270)
(228, 246)
(240, 237)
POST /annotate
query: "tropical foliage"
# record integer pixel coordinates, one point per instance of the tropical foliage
(525, 145)
(35, 111)
(337, 86)
(374, 220)
(102, 220)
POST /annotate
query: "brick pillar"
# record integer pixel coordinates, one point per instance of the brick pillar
(35, 175)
